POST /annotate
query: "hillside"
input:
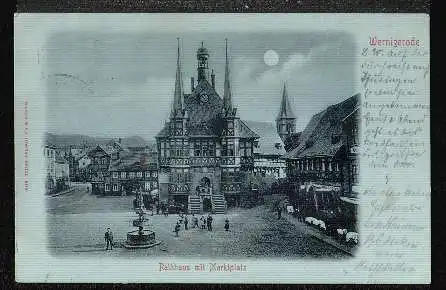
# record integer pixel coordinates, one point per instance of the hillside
(78, 140)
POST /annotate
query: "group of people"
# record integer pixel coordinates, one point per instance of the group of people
(206, 223)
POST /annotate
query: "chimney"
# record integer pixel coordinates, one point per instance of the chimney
(213, 79)
(192, 82)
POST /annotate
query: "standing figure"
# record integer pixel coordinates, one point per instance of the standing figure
(203, 222)
(194, 221)
(209, 222)
(186, 221)
(226, 224)
(279, 212)
(109, 238)
(177, 229)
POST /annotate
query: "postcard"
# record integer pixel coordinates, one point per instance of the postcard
(229, 148)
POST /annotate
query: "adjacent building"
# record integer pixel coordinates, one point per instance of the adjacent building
(49, 151)
(323, 166)
(62, 168)
(268, 150)
(133, 171)
(101, 156)
(204, 147)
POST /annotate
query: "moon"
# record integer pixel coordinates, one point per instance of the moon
(271, 58)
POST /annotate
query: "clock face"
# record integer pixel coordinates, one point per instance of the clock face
(204, 98)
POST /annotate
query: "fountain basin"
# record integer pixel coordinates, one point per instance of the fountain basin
(137, 240)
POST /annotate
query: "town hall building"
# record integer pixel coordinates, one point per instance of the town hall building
(204, 148)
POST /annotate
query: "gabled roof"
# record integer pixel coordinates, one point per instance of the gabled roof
(134, 161)
(268, 138)
(204, 119)
(245, 130)
(109, 150)
(351, 114)
(316, 139)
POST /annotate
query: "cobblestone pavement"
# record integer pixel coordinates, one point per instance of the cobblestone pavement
(79, 229)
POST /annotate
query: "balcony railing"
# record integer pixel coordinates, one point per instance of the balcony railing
(175, 188)
(205, 161)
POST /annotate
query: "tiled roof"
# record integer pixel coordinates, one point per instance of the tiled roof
(246, 130)
(134, 161)
(205, 119)
(268, 138)
(316, 139)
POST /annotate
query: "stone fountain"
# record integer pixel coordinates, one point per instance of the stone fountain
(140, 238)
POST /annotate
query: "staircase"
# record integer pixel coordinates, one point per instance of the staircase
(195, 205)
(218, 204)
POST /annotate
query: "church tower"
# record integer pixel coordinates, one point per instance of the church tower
(285, 121)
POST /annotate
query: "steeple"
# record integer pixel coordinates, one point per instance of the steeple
(285, 108)
(227, 102)
(286, 121)
(178, 98)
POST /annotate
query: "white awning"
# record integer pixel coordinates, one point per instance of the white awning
(350, 200)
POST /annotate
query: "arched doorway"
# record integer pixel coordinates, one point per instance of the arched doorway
(207, 205)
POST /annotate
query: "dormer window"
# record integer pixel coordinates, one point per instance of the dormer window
(278, 146)
(256, 144)
(309, 143)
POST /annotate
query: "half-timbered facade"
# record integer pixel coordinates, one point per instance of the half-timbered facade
(322, 167)
(204, 145)
(134, 170)
(268, 150)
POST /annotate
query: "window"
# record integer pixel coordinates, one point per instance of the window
(245, 148)
(146, 186)
(147, 174)
(115, 187)
(164, 149)
(115, 175)
(204, 148)
(153, 185)
(131, 174)
(227, 148)
(123, 174)
(107, 187)
(139, 174)
(197, 148)
(154, 174)
(354, 173)
(323, 165)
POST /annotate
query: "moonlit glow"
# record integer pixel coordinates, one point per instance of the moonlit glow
(271, 58)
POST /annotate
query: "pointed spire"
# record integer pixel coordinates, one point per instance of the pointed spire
(227, 102)
(178, 98)
(285, 108)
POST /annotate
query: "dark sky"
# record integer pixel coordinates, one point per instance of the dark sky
(110, 84)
